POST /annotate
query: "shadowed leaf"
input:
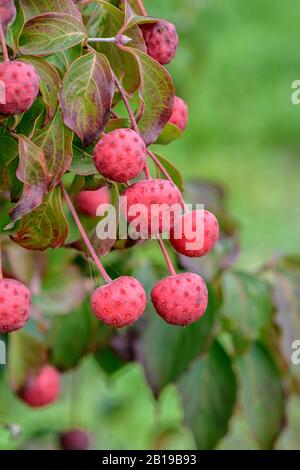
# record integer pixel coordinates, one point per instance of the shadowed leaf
(208, 392)
(33, 172)
(45, 227)
(261, 394)
(55, 140)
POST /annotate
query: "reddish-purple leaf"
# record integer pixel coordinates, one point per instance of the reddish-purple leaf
(33, 172)
(33, 8)
(55, 140)
(86, 96)
(45, 227)
(157, 93)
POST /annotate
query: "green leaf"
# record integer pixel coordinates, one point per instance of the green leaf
(169, 133)
(132, 19)
(55, 140)
(50, 33)
(86, 96)
(157, 94)
(26, 354)
(33, 119)
(208, 392)
(45, 227)
(168, 350)
(124, 66)
(82, 165)
(50, 83)
(172, 170)
(8, 164)
(32, 8)
(63, 60)
(261, 394)
(67, 345)
(247, 307)
(33, 172)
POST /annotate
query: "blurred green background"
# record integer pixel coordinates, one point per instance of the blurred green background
(235, 65)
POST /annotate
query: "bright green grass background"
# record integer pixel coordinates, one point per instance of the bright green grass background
(234, 67)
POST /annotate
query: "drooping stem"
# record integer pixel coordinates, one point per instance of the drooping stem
(84, 235)
(166, 256)
(127, 105)
(3, 45)
(159, 165)
(146, 169)
(141, 7)
(1, 272)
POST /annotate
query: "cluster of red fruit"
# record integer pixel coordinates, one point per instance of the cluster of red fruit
(119, 156)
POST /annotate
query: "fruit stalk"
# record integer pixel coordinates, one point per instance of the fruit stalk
(166, 256)
(84, 235)
(141, 7)
(127, 105)
(3, 45)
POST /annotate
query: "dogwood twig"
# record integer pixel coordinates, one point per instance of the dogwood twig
(84, 235)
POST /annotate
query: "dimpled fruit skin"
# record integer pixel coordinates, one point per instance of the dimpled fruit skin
(15, 302)
(210, 234)
(180, 113)
(43, 388)
(157, 192)
(21, 86)
(88, 201)
(120, 303)
(75, 439)
(120, 155)
(161, 40)
(181, 299)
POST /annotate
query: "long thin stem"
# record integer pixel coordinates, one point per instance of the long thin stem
(3, 45)
(1, 272)
(112, 40)
(166, 256)
(146, 170)
(127, 105)
(84, 235)
(159, 165)
(141, 7)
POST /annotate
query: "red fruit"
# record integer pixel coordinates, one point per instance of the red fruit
(43, 388)
(160, 204)
(21, 84)
(88, 201)
(120, 303)
(180, 300)
(120, 155)
(7, 12)
(161, 40)
(180, 113)
(74, 440)
(15, 302)
(183, 238)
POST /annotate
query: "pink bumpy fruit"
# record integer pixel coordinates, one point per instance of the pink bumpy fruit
(15, 302)
(120, 155)
(161, 40)
(41, 389)
(74, 440)
(21, 86)
(120, 303)
(88, 201)
(181, 299)
(180, 113)
(182, 238)
(160, 205)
